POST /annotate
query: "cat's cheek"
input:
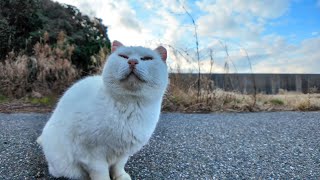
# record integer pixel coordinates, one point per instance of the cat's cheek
(155, 70)
(118, 70)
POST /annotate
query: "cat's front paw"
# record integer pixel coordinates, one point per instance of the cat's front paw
(124, 176)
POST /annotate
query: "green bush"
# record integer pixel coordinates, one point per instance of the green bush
(49, 101)
(3, 98)
(23, 23)
(276, 102)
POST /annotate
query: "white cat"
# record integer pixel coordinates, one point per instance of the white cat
(102, 120)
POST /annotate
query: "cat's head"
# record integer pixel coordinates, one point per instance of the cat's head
(136, 70)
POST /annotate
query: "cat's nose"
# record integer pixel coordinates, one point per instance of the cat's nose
(132, 63)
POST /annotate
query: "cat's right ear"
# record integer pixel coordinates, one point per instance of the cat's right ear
(115, 45)
(163, 52)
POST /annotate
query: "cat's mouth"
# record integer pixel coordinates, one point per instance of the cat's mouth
(133, 76)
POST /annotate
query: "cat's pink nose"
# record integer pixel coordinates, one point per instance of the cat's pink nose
(132, 63)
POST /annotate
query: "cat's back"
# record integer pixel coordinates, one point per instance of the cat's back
(81, 94)
(84, 87)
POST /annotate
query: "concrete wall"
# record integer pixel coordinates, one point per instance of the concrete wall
(265, 83)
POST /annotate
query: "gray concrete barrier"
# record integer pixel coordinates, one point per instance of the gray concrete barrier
(263, 83)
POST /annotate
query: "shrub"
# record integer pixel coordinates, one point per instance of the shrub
(49, 71)
(23, 23)
(182, 95)
(3, 98)
(304, 105)
(19, 19)
(276, 102)
(313, 90)
(48, 101)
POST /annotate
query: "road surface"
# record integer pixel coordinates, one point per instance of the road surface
(280, 145)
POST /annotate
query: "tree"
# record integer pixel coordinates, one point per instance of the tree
(23, 23)
(19, 17)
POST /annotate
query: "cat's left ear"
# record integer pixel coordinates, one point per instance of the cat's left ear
(163, 52)
(115, 45)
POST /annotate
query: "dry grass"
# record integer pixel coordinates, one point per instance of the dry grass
(38, 81)
(182, 96)
(49, 71)
(293, 101)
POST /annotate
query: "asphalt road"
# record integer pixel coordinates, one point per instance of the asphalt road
(190, 146)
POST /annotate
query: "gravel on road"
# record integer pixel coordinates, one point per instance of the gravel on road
(274, 145)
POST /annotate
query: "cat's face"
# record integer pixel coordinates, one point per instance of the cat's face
(136, 70)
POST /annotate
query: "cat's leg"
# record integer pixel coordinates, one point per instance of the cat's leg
(59, 157)
(97, 169)
(117, 170)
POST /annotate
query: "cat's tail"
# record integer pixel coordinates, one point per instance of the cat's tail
(39, 140)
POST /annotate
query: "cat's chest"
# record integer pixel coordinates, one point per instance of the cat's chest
(135, 120)
(131, 123)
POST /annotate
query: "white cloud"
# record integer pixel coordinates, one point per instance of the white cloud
(119, 16)
(240, 24)
(265, 9)
(238, 18)
(300, 58)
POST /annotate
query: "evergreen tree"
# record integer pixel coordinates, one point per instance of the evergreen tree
(24, 22)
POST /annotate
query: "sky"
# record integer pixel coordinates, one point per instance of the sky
(235, 36)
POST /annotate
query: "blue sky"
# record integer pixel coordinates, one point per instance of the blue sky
(299, 22)
(280, 36)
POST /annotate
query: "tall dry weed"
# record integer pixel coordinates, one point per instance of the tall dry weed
(53, 68)
(182, 95)
(48, 71)
(13, 75)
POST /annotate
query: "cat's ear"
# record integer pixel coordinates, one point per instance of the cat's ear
(115, 45)
(163, 52)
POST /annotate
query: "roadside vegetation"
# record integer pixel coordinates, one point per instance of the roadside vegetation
(46, 47)
(182, 96)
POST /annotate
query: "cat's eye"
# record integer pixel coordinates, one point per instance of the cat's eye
(146, 58)
(123, 56)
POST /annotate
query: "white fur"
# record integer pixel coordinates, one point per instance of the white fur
(102, 120)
